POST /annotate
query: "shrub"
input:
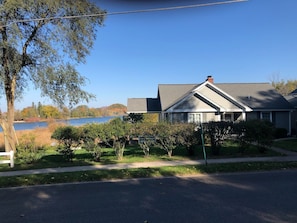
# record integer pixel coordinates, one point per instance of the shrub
(117, 132)
(167, 137)
(68, 137)
(217, 133)
(145, 135)
(27, 151)
(91, 139)
(257, 131)
(134, 118)
(146, 142)
(189, 136)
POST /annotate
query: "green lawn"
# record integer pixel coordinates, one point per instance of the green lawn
(289, 144)
(99, 175)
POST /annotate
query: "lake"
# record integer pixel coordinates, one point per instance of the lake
(73, 122)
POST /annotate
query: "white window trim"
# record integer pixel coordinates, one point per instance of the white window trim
(199, 115)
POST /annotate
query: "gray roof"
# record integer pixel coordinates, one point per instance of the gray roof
(257, 96)
(143, 105)
(292, 99)
(169, 94)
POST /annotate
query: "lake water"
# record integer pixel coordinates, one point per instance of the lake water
(73, 122)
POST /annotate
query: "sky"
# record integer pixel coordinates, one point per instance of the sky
(244, 42)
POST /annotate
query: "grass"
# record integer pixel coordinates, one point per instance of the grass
(99, 175)
(289, 144)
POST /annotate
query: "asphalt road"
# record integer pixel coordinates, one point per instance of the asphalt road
(242, 197)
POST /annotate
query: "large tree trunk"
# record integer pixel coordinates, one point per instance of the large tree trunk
(10, 138)
(9, 76)
(7, 122)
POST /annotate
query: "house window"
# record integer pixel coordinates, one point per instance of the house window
(178, 117)
(227, 117)
(195, 117)
(266, 116)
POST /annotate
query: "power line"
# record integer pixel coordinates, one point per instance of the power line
(126, 12)
(176, 7)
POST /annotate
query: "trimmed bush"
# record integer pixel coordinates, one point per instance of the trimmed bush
(256, 131)
(68, 137)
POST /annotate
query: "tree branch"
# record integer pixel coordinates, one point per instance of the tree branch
(27, 43)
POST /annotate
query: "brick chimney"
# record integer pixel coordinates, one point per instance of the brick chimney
(210, 79)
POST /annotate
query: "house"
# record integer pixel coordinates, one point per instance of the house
(292, 99)
(211, 101)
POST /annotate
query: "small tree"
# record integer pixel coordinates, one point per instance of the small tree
(146, 136)
(189, 136)
(68, 137)
(217, 132)
(167, 136)
(91, 137)
(116, 134)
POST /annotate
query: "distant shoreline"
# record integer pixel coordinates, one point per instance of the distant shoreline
(62, 119)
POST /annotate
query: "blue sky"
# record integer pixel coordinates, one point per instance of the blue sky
(252, 41)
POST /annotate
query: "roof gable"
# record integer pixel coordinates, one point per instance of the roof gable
(207, 97)
(170, 94)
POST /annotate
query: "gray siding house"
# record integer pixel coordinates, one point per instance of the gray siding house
(292, 99)
(211, 101)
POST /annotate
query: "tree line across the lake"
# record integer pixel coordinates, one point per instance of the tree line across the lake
(40, 111)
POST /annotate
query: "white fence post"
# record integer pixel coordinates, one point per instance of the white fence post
(11, 159)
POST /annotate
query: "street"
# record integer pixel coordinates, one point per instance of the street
(239, 197)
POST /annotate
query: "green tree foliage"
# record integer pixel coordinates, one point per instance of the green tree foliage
(134, 118)
(189, 136)
(69, 138)
(256, 131)
(34, 40)
(145, 134)
(167, 136)
(91, 134)
(49, 111)
(119, 132)
(217, 132)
